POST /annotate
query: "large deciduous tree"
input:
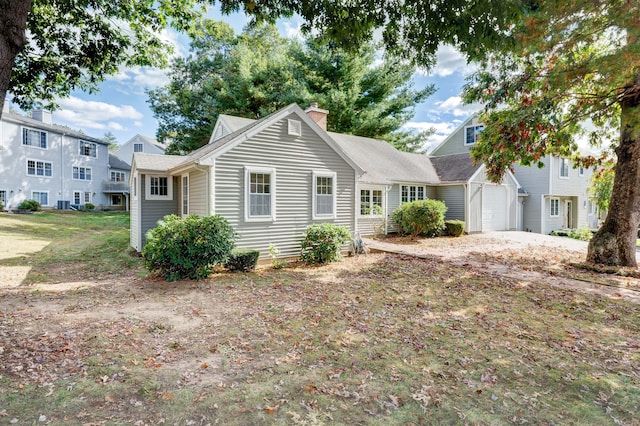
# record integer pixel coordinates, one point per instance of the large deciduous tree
(259, 71)
(50, 47)
(573, 69)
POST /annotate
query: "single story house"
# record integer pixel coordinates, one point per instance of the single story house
(272, 178)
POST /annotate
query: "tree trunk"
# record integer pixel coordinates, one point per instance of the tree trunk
(13, 24)
(615, 242)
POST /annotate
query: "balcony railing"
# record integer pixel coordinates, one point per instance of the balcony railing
(112, 186)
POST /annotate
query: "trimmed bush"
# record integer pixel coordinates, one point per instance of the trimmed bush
(454, 228)
(242, 260)
(89, 206)
(582, 234)
(323, 242)
(423, 217)
(188, 247)
(32, 205)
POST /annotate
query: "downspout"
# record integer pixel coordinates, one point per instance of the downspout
(386, 208)
(467, 203)
(62, 166)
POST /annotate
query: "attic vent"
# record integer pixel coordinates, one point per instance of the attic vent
(295, 128)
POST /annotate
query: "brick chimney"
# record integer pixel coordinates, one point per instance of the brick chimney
(318, 115)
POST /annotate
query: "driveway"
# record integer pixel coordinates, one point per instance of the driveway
(524, 239)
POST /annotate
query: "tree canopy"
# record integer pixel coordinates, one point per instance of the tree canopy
(49, 48)
(573, 70)
(259, 71)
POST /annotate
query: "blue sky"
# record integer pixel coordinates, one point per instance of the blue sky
(121, 105)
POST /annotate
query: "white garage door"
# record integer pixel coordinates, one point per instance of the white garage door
(494, 208)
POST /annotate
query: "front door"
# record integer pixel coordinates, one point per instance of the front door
(568, 214)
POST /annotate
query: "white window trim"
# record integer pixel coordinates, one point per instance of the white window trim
(371, 188)
(43, 192)
(80, 142)
(32, 146)
(182, 195)
(551, 201)
(116, 173)
(247, 187)
(85, 173)
(294, 127)
(562, 160)
(135, 186)
(475, 139)
(333, 176)
(79, 194)
(424, 189)
(147, 189)
(36, 175)
(581, 171)
(141, 147)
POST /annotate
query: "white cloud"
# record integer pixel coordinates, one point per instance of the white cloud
(93, 114)
(292, 29)
(453, 105)
(449, 61)
(442, 130)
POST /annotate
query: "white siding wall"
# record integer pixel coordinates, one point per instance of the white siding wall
(63, 152)
(134, 222)
(455, 144)
(294, 159)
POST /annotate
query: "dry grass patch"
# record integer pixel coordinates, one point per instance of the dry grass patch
(375, 339)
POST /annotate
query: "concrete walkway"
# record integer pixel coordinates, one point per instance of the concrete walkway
(495, 241)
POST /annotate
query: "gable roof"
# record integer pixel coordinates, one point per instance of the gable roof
(234, 123)
(383, 164)
(224, 144)
(452, 134)
(455, 167)
(116, 162)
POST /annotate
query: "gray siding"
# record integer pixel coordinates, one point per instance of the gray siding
(454, 144)
(151, 211)
(198, 193)
(474, 219)
(453, 197)
(294, 159)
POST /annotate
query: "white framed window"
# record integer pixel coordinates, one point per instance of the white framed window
(41, 196)
(39, 168)
(260, 194)
(185, 195)
(409, 193)
(88, 149)
(294, 127)
(581, 171)
(324, 195)
(3, 198)
(564, 167)
(471, 134)
(116, 200)
(117, 176)
(137, 147)
(35, 138)
(77, 197)
(87, 197)
(159, 187)
(554, 207)
(80, 197)
(371, 202)
(81, 173)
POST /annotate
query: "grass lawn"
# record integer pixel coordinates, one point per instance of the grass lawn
(376, 339)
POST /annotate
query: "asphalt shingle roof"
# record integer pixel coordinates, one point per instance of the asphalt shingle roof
(383, 163)
(118, 163)
(455, 168)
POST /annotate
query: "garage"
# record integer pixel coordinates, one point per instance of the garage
(494, 208)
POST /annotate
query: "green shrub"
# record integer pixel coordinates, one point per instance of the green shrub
(1, 206)
(188, 247)
(242, 260)
(454, 228)
(274, 251)
(582, 234)
(32, 205)
(423, 217)
(323, 242)
(89, 206)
